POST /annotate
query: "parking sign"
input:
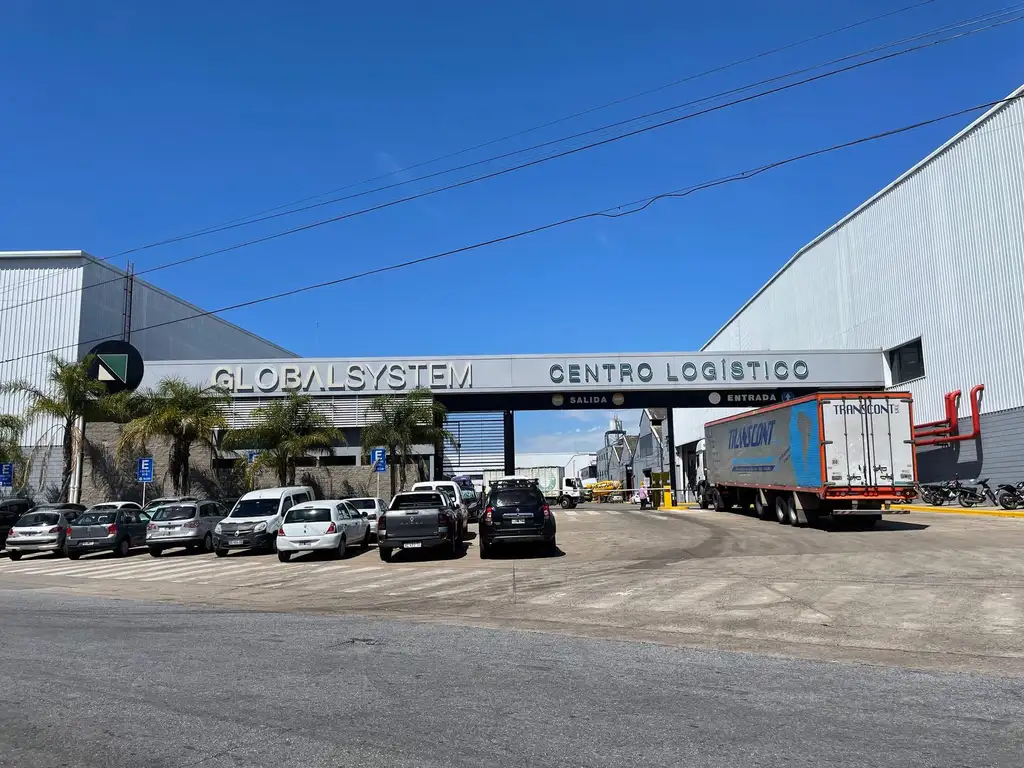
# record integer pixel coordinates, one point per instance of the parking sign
(144, 470)
(379, 459)
(6, 475)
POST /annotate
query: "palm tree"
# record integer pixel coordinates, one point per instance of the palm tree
(284, 431)
(178, 411)
(69, 393)
(11, 428)
(402, 421)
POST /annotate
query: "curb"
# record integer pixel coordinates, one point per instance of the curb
(960, 511)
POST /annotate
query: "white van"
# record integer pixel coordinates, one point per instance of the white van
(253, 522)
(453, 491)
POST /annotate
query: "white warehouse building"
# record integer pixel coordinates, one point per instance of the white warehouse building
(65, 302)
(930, 271)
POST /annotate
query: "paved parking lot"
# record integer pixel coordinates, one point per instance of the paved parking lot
(922, 590)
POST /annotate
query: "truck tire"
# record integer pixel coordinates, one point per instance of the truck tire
(792, 517)
(781, 510)
(565, 503)
(718, 501)
(762, 509)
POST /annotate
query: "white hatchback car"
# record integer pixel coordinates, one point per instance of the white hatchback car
(330, 526)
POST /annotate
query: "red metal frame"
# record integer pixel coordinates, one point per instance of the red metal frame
(947, 430)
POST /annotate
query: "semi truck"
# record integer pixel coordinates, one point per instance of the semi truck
(558, 489)
(817, 457)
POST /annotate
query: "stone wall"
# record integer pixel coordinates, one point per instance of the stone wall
(105, 477)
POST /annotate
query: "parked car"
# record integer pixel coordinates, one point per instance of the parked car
(419, 520)
(41, 530)
(256, 519)
(186, 524)
(330, 526)
(166, 500)
(115, 527)
(472, 502)
(516, 515)
(374, 509)
(11, 511)
(454, 493)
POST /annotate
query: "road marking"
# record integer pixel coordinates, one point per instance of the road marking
(570, 512)
(591, 512)
(390, 581)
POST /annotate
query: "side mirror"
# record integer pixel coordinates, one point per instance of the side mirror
(365, 515)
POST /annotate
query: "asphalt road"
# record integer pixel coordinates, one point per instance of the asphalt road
(93, 682)
(935, 592)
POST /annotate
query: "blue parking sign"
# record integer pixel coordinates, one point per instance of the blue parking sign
(144, 470)
(6, 475)
(379, 459)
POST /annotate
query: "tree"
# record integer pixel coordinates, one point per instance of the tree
(402, 421)
(182, 413)
(11, 428)
(68, 395)
(284, 431)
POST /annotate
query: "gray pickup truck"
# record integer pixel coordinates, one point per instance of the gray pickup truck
(419, 520)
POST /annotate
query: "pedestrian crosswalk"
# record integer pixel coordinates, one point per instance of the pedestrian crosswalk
(580, 514)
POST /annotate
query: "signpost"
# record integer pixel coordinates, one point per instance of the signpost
(144, 474)
(379, 459)
(6, 475)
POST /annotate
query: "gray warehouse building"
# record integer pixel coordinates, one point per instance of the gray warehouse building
(64, 302)
(931, 271)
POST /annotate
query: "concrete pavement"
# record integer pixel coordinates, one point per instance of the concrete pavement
(928, 591)
(112, 684)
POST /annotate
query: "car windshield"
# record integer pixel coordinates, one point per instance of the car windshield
(362, 503)
(308, 515)
(256, 508)
(175, 512)
(514, 497)
(96, 518)
(38, 518)
(417, 501)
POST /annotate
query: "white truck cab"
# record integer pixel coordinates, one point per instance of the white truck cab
(254, 520)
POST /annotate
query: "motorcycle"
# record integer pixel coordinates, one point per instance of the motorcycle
(940, 493)
(1011, 496)
(969, 496)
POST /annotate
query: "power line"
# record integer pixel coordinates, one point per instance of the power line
(560, 154)
(690, 78)
(615, 212)
(601, 130)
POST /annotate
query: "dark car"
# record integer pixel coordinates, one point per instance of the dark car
(107, 529)
(472, 502)
(419, 520)
(11, 511)
(516, 515)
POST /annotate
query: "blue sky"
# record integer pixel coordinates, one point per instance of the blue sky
(125, 123)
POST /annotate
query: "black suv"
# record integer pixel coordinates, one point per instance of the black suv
(11, 511)
(516, 514)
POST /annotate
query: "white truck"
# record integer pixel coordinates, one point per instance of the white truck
(558, 489)
(845, 454)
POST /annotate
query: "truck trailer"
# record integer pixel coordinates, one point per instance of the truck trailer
(558, 489)
(813, 458)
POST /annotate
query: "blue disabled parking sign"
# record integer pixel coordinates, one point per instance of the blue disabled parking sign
(144, 470)
(6, 475)
(379, 459)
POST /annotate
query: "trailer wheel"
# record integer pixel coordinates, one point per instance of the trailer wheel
(719, 502)
(792, 518)
(781, 510)
(762, 509)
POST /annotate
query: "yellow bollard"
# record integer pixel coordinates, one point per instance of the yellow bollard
(668, 497)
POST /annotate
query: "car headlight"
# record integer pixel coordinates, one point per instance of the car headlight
(260, 528)
(218, 529)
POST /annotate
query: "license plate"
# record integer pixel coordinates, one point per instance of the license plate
(88, 543)
(235, 542)
(305, 543)
(517, 522)
(413, 544)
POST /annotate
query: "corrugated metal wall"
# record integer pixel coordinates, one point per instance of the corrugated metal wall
(939, 255)
(201, 338)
